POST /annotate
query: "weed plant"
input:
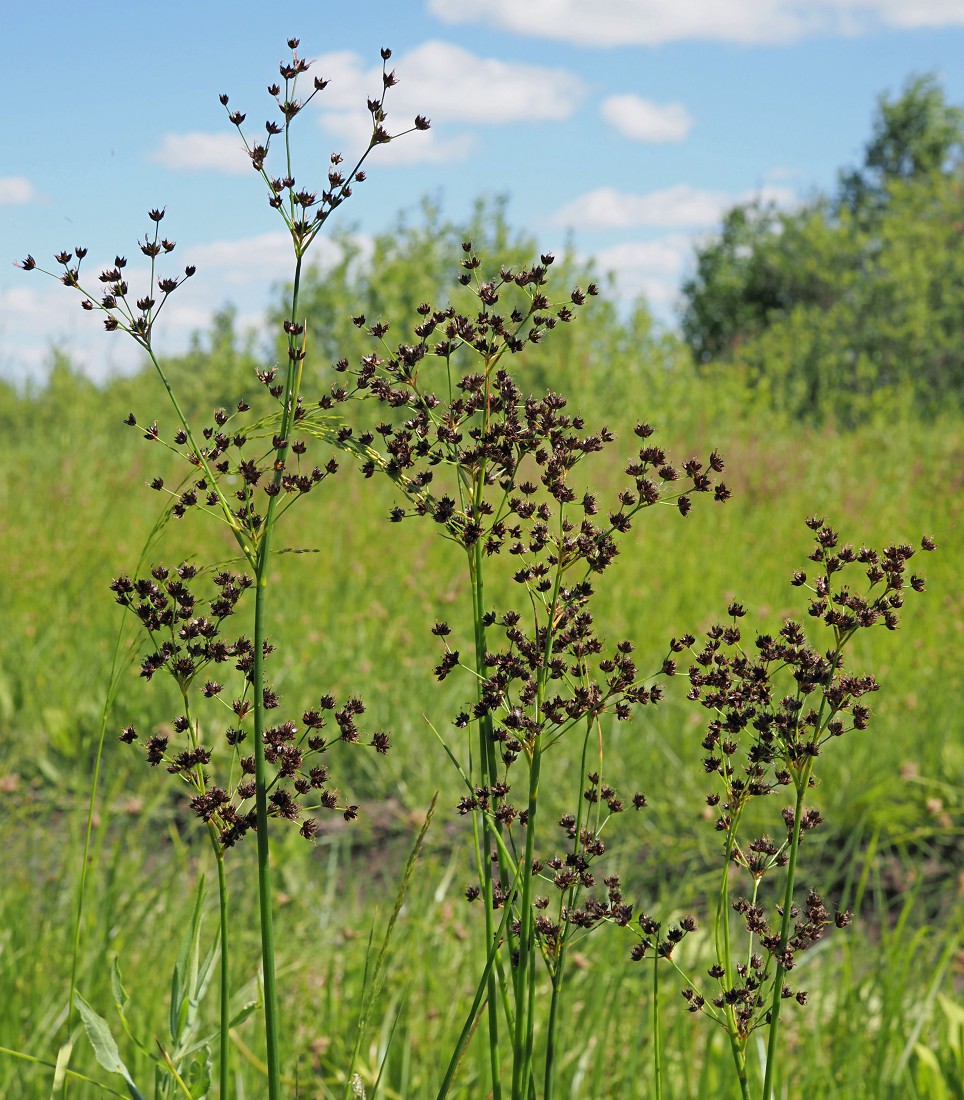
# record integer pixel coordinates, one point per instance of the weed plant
(497, 468)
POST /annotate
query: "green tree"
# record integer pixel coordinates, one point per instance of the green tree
(835, 309)
(917, 134)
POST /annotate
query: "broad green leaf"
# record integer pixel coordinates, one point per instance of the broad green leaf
(105, 1049)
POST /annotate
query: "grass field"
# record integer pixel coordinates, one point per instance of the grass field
(884, 1019)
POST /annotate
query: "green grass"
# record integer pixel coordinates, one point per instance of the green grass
(352, 617)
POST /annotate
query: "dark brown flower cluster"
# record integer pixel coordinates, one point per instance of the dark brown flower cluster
(653, 941)
(775, 706)
(185, 633)
(186, 640)
(489, 430)
(303, 210)
(746, 991)
(122, 312)
(570, 871)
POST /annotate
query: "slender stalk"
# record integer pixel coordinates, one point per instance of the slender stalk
(724, 953)
(486, 764)
(784, 938)
(657, 1040)
(558, 973)
(522, 1039)
(225, 991)
(264, 854)
(470, 1022)
(548, 1078)
(257, 683)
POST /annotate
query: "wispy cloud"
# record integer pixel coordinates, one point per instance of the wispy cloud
(682, 206)
(644, 120)
(16, 190)
(258, 260)
(196, 151)
(652, 22)
(451, 85)
(239, 270)
(651, 268)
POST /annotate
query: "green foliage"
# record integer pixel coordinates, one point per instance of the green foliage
(917, 135)
(105, 1046)
(843, 307)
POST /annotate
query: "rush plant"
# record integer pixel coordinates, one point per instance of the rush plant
(776, 704)
(244, 765)
(499, 473)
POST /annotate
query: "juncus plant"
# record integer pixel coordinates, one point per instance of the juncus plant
(498, 471)
(777, 703)
(247, 764)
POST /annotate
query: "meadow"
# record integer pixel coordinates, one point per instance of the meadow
(884, 1019)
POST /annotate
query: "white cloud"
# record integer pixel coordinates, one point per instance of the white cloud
(196, 151)
(447, 84)
(681, 206)
(240, 271)
(261, 258)
(643, 120)
(922, 13)
(664, 256)
(651, 268)
(16, 190)
(450, 85)
(652, 22)
(43, 314)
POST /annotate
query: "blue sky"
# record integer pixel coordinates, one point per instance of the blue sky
(628, 125)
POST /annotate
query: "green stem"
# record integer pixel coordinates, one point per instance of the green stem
(724, 954)
(657, 1042)
(553, 1023)
(525, 976)
(785, 927)
(212, 480)
(225, 1007)
(558, 974)
(487, 765)
(469, 1026)
(264, 854)
(290, 402)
